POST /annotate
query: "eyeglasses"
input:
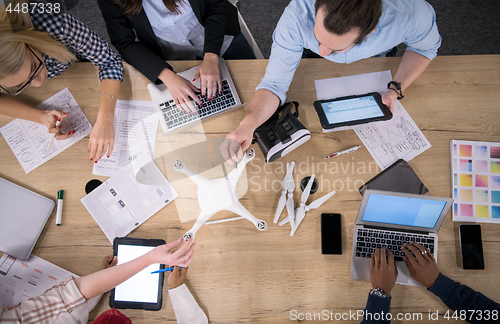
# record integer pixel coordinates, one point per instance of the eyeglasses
(17, 90)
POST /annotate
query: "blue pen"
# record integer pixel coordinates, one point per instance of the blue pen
(165, 270)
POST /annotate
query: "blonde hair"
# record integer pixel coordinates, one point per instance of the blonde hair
(16, 32)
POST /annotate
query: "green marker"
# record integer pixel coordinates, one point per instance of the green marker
(60, 194)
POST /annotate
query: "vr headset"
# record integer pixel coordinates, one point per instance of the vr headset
(280, 135)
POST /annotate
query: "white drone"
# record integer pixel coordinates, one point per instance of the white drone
(298, 215)
(219, 194)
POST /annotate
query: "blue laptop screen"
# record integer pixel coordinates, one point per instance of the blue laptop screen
(403, 210)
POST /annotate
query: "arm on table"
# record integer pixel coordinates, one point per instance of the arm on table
(102, 281)
(187, 310)
(286, 53)
(423, 41)
(11, 107)
(411, 66)
(460, 297)
(263, 106)
(103, 132)
(383, 274)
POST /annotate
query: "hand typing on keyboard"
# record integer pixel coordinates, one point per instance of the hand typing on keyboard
(209, 76)
(181, 90)
(383, 272)
(421, 264)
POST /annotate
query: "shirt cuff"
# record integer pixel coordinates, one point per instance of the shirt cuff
(377, 304)
(181, 297)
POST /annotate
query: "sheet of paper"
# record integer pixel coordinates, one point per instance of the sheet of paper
(129, 198)
(29, 140)
(21, 280)
(391, 140)
(387, 141)
(136, 124)
(475, 181)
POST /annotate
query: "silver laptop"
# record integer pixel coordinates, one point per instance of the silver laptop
(172, 118)
(390, 219)
(23, 215)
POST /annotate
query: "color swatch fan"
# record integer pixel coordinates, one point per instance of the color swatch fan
(475, 181)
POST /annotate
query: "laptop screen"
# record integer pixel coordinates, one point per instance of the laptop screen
(407, 211)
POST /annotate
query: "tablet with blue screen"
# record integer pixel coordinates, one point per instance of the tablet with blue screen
(352, 110)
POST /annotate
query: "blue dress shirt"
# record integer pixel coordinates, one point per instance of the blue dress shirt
(412, 22)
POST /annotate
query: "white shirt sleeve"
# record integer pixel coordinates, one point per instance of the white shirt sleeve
(186, 309)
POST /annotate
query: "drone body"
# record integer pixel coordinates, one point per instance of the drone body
(219, 194)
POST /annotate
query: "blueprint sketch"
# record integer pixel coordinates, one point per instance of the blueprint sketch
(391, 140)
(29, 141)
(136, 124)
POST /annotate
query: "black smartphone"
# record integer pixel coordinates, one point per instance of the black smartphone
(471, 245)
(331, 234)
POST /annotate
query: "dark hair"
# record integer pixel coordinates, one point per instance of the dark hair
(132, 8)
(341, 16)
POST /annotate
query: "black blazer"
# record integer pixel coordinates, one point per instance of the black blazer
(219, 18)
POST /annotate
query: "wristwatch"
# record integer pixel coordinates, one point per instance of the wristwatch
(379, 292)
(398, 90)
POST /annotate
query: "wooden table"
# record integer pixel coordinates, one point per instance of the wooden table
(240, 274)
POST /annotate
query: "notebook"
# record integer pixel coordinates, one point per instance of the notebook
(391, 219)
(23, 216)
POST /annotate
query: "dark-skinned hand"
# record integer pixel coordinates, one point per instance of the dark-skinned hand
(421, 264)
(383, 272)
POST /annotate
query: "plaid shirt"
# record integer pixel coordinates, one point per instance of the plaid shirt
(79, 40)
(63, 298)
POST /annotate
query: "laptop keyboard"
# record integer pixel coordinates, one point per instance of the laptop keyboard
(370, 239)
(176, 118)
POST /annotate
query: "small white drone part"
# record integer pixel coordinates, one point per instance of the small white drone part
(219, 194)
(288, 185)
(300, 212)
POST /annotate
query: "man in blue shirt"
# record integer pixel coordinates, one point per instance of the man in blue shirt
(342, 31)
(468, 304)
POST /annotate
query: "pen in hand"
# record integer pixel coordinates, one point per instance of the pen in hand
(165, 270)
(58, 123)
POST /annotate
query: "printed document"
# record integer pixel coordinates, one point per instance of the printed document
(387, 141)
(129, 198)
(136, 124)
(21, 280)
(29, 140)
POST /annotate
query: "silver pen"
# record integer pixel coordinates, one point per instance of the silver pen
(349, 150)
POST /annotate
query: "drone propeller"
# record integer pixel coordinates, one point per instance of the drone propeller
(286, 184)
(318, 202)
(315, 204)
(300, 212)
(281, 205)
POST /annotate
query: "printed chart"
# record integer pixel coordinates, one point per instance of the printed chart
(21, 280)
(475, 181)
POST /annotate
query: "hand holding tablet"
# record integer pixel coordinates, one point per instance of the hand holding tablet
(351, 110)
(145, 290)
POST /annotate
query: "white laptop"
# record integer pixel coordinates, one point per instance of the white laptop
(390, 219)
(172, 118)
(23, 215)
